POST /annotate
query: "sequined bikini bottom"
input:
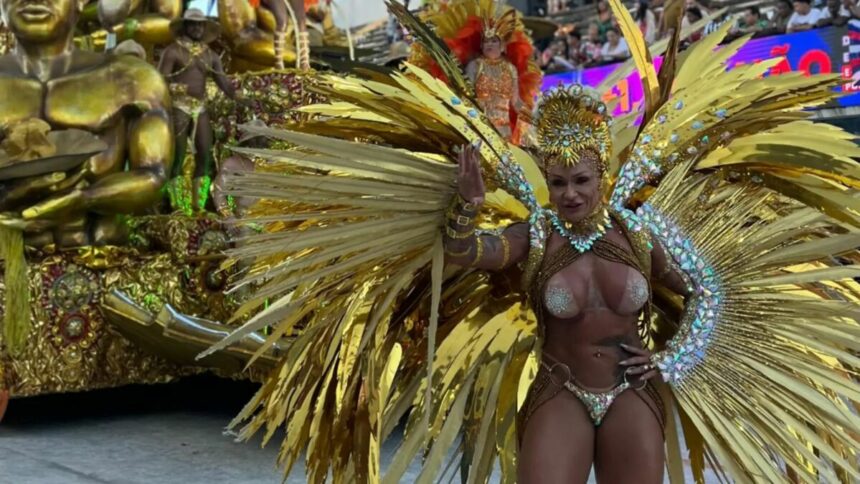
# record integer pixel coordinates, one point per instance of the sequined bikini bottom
(185, 102)
(596, 402)
(554, 377)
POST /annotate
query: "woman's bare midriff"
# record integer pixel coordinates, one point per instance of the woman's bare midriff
(591, 345)
(590, 342)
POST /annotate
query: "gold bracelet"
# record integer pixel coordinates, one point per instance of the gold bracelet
(479, 250)
(506, 251)
(459, 254)
(453, 234)
(464, 221)
(461, 211)
(466, 206)
(460, 219)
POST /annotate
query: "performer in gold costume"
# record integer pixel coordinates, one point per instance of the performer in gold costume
(187, 64)
(496, 80)
(121, 99)
(491, 43)
(689, 242)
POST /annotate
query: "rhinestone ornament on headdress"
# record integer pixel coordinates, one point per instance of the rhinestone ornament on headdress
(570, 121)
(502, 26)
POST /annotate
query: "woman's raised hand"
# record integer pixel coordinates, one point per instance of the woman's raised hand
(470, 181)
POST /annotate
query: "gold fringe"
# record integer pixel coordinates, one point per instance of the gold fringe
(16, 319)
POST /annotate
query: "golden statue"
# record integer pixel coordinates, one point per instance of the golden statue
(121, 99)
(6, 40)
(257, 32)
(145, 21)
(86, 142)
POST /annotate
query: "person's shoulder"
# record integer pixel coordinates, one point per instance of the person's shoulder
(173, 48)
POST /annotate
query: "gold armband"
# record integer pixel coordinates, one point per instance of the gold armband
(479, 250)
(459, 254)
(461, 212)
(506, 251)
(453, 234)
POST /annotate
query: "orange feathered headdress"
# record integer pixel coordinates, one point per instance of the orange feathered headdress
(464, 24)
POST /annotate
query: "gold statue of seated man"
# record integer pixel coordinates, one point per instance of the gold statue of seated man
(120, 99)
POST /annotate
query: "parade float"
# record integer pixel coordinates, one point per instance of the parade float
(113, 270)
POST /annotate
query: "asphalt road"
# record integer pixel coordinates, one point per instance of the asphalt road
(162, 434)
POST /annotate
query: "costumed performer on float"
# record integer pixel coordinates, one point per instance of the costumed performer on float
(491, 43)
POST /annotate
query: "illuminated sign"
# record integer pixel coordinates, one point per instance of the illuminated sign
(819, 51)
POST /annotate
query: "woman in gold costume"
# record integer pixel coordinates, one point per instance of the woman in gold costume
(672, 265)
(592, 401)
(497, 84)
(491, 43)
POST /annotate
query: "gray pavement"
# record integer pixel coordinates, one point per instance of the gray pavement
(140, 435)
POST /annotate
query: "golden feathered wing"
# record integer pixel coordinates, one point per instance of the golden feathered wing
(752, 201)
(350, 266)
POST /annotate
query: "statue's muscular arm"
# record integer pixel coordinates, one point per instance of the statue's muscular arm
(150, 153)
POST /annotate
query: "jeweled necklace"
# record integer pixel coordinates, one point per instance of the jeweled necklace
(582, 235)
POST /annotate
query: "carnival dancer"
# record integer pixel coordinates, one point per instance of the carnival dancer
(187, 64)
(490, 42)
(691, 240)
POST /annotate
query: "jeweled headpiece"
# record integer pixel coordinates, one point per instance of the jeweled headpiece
(569, 121)
(502, 26)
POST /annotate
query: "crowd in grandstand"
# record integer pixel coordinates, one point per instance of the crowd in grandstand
(589, 35)
(596, 40)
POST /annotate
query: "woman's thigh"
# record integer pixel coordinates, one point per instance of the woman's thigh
(629, 444)
(557, 445)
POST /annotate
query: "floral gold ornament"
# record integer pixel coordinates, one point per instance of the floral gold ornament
(30, 148)
(571, 121)
(502, 26)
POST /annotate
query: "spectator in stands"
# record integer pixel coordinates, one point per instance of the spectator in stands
(784, 11)
(694, 14)
(752, 22)
(850, 8)
(554, 58)
(556, 6)
(605, 19)
(804, 18)
(591, 45)
(647, 21)
(834, 13)
(576, 50)
(615, 48)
